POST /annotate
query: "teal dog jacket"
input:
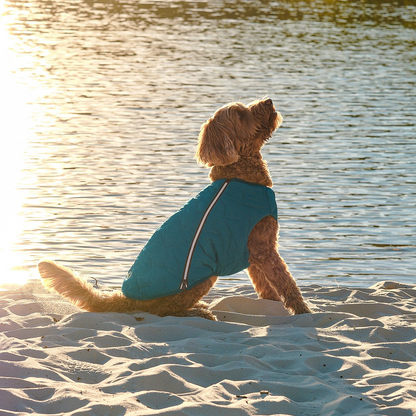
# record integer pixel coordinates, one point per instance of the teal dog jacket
(207, 237)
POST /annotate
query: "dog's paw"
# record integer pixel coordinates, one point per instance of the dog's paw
(198, 312)
(301, 308)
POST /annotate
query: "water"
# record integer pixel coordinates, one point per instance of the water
(102, 103)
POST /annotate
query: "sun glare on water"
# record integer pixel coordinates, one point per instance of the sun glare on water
(18, 92)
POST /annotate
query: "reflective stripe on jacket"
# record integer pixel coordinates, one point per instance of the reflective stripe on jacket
(207, 237)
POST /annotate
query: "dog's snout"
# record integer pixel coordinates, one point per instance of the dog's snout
(268, 102)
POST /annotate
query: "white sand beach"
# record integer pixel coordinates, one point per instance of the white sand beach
(356, 355)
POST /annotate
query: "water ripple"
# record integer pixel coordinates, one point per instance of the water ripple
(126, 86)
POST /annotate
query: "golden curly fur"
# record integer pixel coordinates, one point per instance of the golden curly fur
(229, 143)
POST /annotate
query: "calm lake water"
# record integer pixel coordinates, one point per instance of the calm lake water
(101, 104)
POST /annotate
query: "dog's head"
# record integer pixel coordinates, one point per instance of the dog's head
(236, 130)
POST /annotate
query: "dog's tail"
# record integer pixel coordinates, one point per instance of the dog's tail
(82, 294)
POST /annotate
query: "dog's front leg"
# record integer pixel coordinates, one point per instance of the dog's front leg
(279, 277)
(268, 270)
(261, 284)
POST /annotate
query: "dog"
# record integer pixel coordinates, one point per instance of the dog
(183, 259)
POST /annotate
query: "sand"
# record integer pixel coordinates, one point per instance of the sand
(354, 356)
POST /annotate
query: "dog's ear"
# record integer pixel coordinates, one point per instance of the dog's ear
(215, 147)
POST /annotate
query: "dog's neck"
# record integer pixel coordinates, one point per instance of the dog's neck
(247, 168)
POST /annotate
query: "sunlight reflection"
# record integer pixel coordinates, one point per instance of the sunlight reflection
(17, 91)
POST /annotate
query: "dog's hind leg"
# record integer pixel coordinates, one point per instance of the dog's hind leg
(187, 303)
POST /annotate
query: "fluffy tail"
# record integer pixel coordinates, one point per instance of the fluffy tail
(82, 294)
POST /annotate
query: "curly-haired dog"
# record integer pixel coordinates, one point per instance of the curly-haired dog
(231, 225)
